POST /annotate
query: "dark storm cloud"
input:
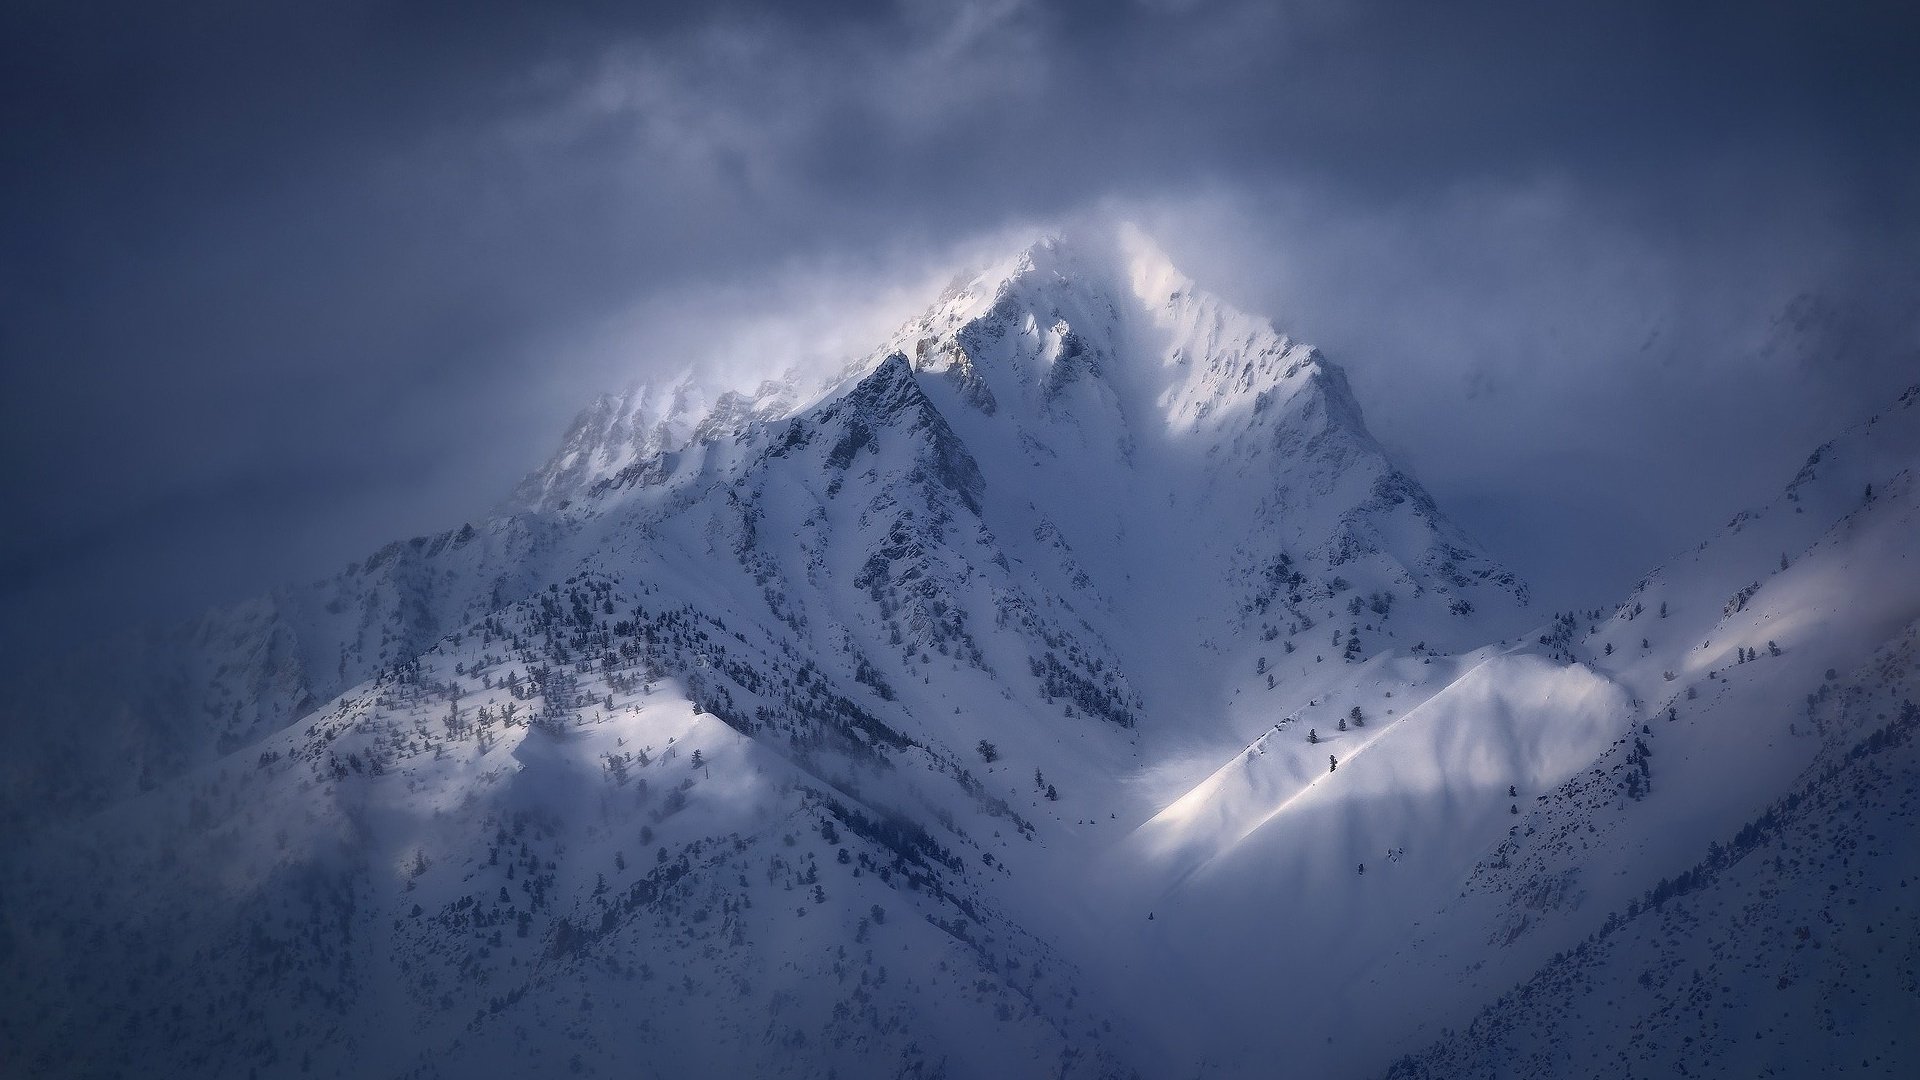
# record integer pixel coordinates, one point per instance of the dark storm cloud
(282, 282)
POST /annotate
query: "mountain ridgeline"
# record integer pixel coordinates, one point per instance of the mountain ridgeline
(1069, 687)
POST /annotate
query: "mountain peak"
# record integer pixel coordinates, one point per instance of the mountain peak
(1115, 262)
(1091, 338)
(887, 387)
(1101, 321)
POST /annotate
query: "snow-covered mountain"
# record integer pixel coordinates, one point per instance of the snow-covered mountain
(1072, 686)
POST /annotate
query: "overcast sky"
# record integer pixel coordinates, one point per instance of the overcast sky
(279, 283)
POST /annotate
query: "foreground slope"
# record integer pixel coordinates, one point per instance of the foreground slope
(1499, 812)
(1729, 889)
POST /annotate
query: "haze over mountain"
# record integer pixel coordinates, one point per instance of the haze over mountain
(280, 283)
(1071, 685)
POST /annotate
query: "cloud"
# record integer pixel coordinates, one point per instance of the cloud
(343, 274)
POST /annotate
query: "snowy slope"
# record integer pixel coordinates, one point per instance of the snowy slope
(396, 885)
(1789, 640)
(1513, 807)
(178, 696)
(1787, 949)
(972, 714)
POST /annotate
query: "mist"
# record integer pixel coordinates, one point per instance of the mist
(278, 289)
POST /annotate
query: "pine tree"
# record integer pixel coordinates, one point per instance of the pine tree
(1332, 763)
(1313, 735)
(1359, 718)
